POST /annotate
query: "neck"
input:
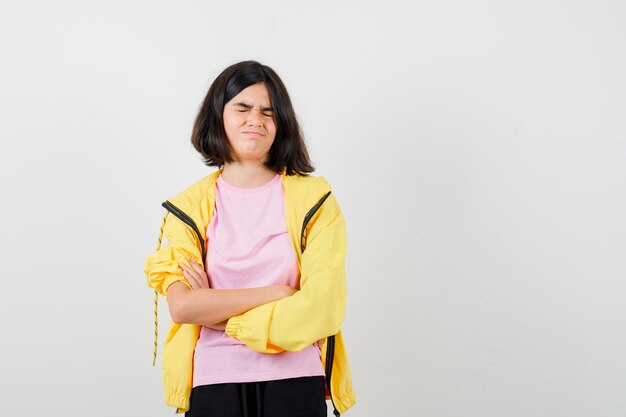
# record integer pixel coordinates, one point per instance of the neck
(246, 175)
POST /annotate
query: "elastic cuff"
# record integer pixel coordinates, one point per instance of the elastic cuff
(232, 325)
(172, 279)
(345, 402)
(180, 401)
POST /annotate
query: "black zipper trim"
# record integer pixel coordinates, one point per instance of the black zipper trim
(330, 353)
(308, 217)
(188, 221)
(330, 340)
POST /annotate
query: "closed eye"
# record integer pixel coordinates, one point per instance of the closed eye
(266, 114)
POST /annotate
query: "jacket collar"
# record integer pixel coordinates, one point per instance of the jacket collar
(301, 190)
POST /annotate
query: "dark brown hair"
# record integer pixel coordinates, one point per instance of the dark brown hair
(209, 137)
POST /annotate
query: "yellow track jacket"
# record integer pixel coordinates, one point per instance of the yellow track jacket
(315, 312)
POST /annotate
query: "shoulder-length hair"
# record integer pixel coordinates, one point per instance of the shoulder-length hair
(209, 138)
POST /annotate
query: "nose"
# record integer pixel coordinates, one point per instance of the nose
(254, 117)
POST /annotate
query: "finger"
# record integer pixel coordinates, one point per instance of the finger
(196, 266)
(197, 273)
(200, 273)
(191, 276)
(200, 277)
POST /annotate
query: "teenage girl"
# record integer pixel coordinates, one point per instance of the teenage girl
(254, 267)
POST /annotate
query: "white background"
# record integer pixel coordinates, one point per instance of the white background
(478, 150)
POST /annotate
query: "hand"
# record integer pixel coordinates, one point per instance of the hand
(196, 276)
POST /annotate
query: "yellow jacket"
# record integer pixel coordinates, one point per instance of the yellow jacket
(313, 313)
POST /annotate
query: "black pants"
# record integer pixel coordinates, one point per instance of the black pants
(292, 397)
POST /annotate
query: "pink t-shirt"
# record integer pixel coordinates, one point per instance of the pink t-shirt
(249, 246)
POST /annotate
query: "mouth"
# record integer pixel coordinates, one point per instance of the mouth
(253, 134)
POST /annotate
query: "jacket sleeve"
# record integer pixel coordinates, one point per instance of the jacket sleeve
(161, 267)
(315, 311)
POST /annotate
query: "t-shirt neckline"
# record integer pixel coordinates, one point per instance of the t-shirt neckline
(222, 183)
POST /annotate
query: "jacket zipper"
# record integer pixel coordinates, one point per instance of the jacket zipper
(330, 340)
(188, 221)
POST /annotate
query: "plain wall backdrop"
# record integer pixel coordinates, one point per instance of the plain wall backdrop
(478, 150)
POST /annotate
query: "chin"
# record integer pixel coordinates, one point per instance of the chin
(251, 158)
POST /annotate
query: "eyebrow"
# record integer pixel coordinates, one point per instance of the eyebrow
(247, 106)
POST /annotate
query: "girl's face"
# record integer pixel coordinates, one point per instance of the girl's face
(249, 124)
